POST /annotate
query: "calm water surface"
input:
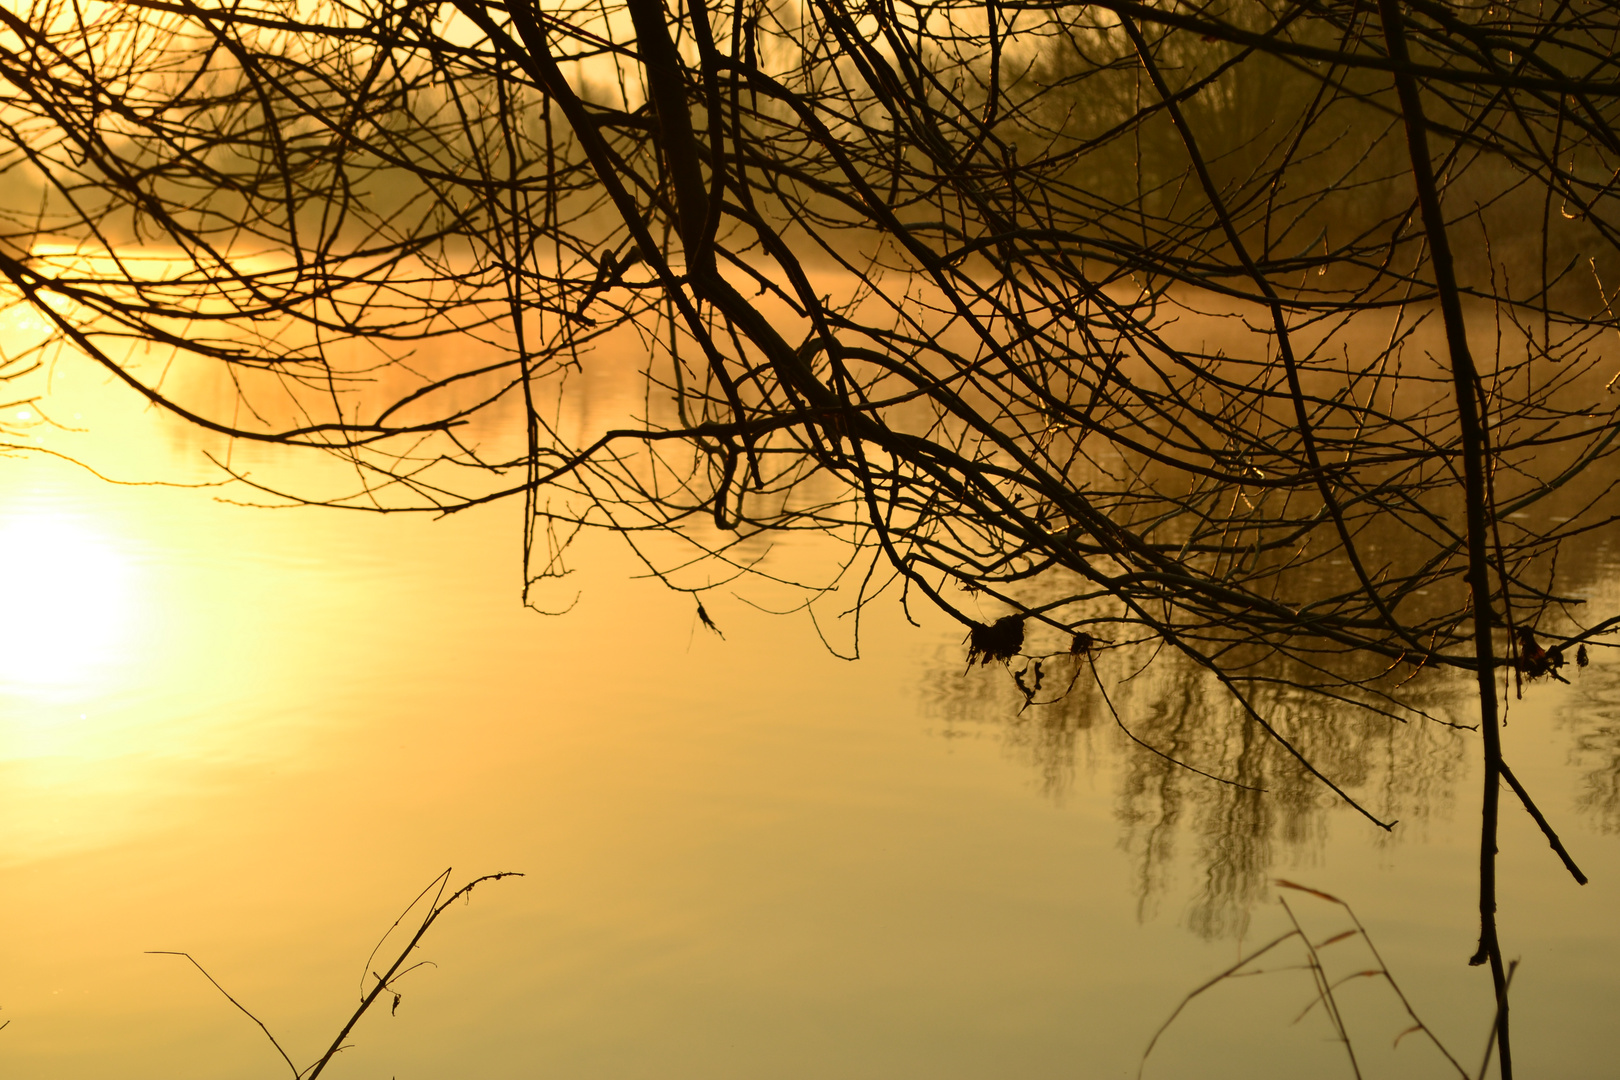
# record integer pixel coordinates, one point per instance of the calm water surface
(255, 735)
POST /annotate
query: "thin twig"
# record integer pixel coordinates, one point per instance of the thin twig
(1546, 827)
(244, 1009)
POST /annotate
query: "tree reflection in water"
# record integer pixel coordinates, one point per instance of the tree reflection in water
(1405, 770)
(1401, 760)
(1594, 719)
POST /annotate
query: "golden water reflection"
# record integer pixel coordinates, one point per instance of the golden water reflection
(745, 857)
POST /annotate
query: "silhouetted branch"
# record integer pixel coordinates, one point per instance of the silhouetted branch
(240, 1007)
(384, 982)
(1137, 344)
(1324, 985)
(1546, 828)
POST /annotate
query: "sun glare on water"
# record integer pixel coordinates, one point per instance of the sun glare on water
(66, 596)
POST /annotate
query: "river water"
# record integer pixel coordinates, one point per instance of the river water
(255, 735)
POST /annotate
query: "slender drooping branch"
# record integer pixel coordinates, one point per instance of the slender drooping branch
(1476, 463)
